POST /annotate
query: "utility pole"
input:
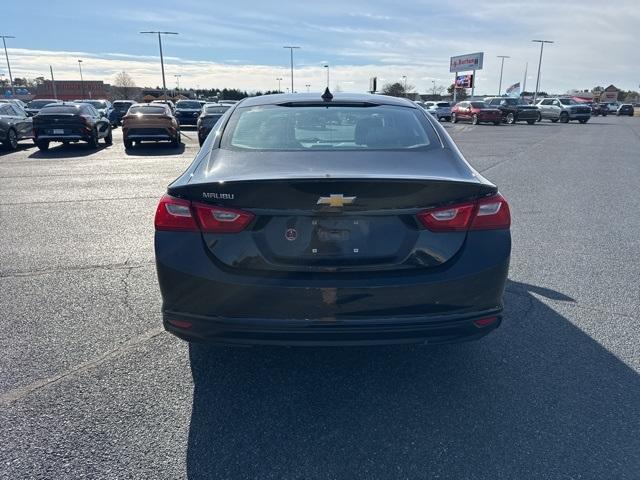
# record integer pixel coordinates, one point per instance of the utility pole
(279, 79)
(326, 65)
(53, 84)
(524, 81)
(404, 77)
(177, 81)
(164, 83)
(4, 42)
(541, 42)
(291, 51)
(308, 85)
(81, 78)
(501, 69)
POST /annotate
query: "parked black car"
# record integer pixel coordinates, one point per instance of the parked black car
(15, 125)
(70, 122)
(187, 112)
(625, 109)
(119, 110)
(34, 106)
(362, 224)
(514, 109)
(211, 113)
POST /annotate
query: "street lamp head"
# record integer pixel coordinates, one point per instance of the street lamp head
(543, 41)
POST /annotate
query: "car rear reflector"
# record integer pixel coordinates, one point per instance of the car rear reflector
(175, 214)
(485, 214)
(180, 323)
(214, 219)
(485, 322)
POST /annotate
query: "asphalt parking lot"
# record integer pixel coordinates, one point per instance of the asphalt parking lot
(91, 386)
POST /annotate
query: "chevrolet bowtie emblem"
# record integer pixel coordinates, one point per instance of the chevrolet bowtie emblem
(336, 200)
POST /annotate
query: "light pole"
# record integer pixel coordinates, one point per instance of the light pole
(501, 69)
(541, 42)
(279, 79)
(326, 65)
(308, 85)
(291, 50)
(177, 81)
(164, 83)
(404, 77)
(81, 78)
(433, 90)
(4, 42)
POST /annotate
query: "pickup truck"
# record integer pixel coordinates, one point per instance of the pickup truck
(514, 109)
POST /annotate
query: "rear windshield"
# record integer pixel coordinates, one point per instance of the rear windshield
(95, 103)
(187, 104)
(216, 108)
(122, 105)
(443, 104)
(40, 103)
(478, 105)
(60, 109)
(320, 127)
(147, 109)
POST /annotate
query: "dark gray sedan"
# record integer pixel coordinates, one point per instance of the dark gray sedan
(15, 125)
(346, 220)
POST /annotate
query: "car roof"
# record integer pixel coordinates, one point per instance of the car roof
(281, 98)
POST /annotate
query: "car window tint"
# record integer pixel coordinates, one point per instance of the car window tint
(338, 127)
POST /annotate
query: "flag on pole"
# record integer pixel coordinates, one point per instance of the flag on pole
(514, 90)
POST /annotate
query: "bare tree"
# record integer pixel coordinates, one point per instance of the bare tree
(124, 85)
(437, 89)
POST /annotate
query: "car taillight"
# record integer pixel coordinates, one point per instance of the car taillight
(454, 218)
(177, 214)
(214, 219)
(486, 214)
(492, 214)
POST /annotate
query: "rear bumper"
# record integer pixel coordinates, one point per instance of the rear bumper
(187, 120)
(61, 138)
(236, 331)
(231, 306)
(579, 116)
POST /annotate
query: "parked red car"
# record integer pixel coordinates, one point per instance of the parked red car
(477, 112)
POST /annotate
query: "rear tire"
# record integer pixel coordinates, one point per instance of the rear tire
(564, 117)
(531, 122)
(109, 138)
(93, 140)
(175, 142)
(43, 145)
(128, 144)
(510, 118)
(447, 119)
(11, 143)
(474, 120)
(454, 118)
(539, 117)
(583, 120)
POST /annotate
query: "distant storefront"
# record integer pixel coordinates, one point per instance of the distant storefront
(72, 89)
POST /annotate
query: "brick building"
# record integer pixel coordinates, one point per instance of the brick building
(72, 89)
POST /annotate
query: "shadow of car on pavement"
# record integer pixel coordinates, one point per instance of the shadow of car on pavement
(538, 398)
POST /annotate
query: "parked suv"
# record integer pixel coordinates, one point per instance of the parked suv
(440, 110)
(625, 109)
(70, 122)
(187, 112)
(514, 109)
(120, 109)
(150, 123)
(563, 109)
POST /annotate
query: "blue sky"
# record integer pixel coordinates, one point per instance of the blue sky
(242, 46)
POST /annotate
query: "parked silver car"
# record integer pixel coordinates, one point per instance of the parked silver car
(440, 110)
(563, 109)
